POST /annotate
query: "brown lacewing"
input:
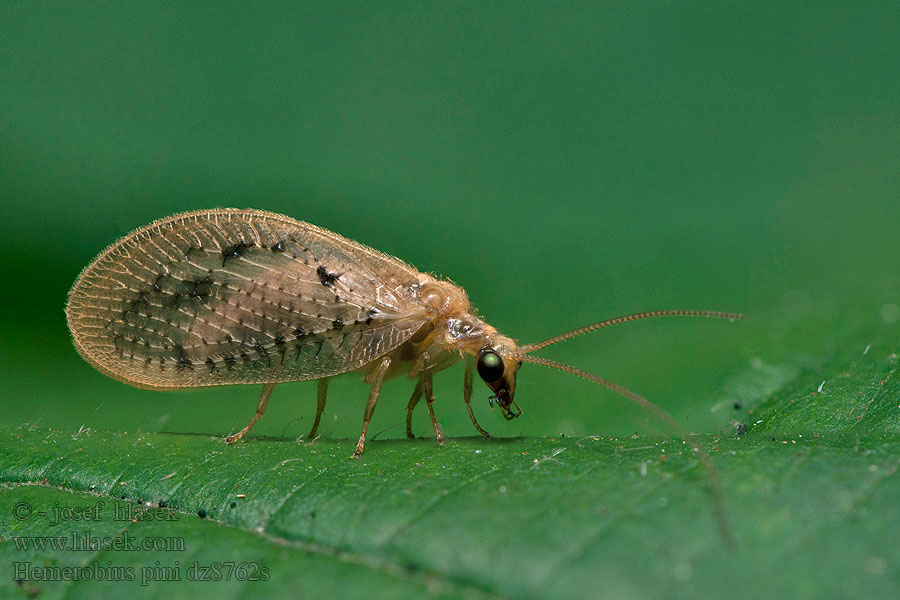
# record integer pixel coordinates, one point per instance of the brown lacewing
(229, 296)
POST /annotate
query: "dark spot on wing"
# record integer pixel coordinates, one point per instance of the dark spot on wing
(262, 351)
(235, 251)
(327, 278)
(201, 288)
(182, 361)
(280, 346)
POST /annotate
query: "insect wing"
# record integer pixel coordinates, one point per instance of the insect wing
(239, 296)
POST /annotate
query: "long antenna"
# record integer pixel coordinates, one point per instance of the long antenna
(715, 486)
(634, 317)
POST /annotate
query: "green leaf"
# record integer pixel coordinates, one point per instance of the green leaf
(812, 490)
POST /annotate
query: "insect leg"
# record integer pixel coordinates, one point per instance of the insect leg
(467, 396)
(260, 409)
(370, 406)
(321, 392)
(429, 397)
(417, 394)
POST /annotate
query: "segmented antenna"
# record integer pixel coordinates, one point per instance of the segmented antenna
(634, 317)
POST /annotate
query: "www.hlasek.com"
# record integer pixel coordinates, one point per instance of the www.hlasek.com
(157, 572)
(87, 542)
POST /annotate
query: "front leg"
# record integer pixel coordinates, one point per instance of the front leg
(429, 396)
(467, 397)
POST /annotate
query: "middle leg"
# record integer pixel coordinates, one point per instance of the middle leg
(416, 396)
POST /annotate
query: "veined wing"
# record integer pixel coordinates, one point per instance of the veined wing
(232, 296)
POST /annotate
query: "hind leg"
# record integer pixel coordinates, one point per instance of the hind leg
(377, 380)
(260, 409)
(321, 393)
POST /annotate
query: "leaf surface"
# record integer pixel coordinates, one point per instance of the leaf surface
(812, 490)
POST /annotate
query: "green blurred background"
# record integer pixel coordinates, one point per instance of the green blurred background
(562, 163)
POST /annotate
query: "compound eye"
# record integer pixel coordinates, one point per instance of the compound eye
(490, 366)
